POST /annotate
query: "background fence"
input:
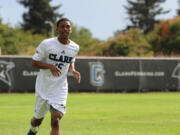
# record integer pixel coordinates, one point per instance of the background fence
(99, 74)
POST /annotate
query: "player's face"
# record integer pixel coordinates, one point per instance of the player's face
(64, 29)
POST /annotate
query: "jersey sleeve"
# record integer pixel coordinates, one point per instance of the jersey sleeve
(40, 52)
(74, 59)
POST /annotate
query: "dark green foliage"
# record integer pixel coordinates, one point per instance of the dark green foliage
(14, 41)
(131, 43)
(165, 38)
(178, 10)
(142, 13)
(39, 11)
(83, 37)
(7, 40)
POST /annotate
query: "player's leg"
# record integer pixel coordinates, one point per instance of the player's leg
(35, 123)
(56, 116)
(40, 110)
(55, 123)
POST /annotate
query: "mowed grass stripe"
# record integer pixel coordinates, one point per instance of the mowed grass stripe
(98, 114)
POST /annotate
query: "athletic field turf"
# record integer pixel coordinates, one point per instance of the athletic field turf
(98, 114)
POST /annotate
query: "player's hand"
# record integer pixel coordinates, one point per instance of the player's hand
(77, 75)
(55, 71)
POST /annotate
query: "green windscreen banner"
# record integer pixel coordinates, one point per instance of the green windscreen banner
(98, 74)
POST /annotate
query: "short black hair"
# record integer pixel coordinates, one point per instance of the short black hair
(63, 19)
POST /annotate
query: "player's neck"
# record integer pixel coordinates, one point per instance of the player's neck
(64, 41)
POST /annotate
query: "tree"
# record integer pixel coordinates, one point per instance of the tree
(142, 13)
(132, 44)
(39, 11)
(15, 41)
(178, 11)
(83, 37)
(165, 38)
(7, 39)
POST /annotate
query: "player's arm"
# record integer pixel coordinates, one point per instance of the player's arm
(75, 73)
(41, 65)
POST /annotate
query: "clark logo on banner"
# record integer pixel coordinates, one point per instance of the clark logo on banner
(96, 73)
(5, 67)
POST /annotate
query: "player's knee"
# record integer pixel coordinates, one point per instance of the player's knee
(55, 122)
(36, 122)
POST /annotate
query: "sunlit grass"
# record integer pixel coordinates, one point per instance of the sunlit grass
(98, 114)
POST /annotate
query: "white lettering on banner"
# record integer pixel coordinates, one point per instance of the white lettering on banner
(35, 73)
(29, 73)
(138, 73)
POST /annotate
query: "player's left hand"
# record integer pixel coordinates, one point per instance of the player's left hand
(77, 75)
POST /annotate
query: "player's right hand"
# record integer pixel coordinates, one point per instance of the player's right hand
(55, 71)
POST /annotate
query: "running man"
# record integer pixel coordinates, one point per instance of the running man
(54, 57)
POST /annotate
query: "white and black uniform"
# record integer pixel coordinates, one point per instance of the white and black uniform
(54, 90)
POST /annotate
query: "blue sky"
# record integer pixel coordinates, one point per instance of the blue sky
(101, 17)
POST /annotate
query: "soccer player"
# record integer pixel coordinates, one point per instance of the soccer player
(54, 57)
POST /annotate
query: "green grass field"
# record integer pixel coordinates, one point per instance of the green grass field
(98, 114)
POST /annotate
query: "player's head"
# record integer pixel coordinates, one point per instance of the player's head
(63, 19)
(64, 27)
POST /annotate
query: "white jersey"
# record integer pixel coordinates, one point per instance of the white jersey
(51, 51)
